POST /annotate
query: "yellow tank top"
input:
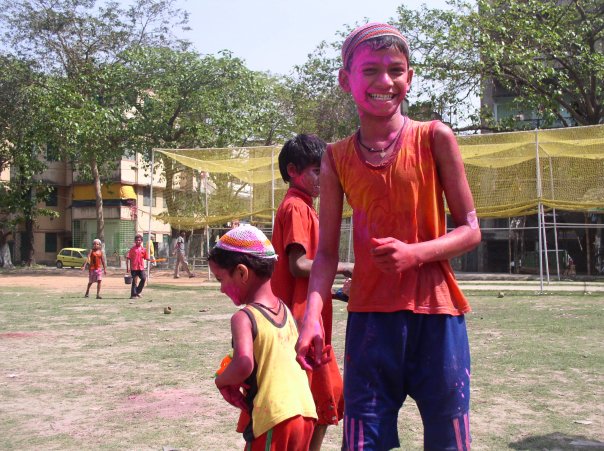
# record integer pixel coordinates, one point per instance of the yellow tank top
(283, 389)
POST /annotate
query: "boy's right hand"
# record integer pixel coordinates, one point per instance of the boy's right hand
(392, 256)
(232, 394)
(310, 348)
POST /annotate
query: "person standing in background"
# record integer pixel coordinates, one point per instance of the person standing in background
(181, 258)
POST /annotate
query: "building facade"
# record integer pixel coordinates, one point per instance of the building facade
(127, 208)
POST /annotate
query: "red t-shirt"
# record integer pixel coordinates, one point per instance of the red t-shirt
(296, 222)
(137, 255)
(400, 198)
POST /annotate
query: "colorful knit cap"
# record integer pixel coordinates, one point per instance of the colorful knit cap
(366, 32)
(248, 240)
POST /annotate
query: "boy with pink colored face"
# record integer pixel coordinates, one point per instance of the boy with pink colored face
(406, 334)
(279, 410)
(295, 238)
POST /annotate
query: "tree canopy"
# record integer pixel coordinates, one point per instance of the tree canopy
(187, 100)
(22, 143)
(548, 54)
(79, 46)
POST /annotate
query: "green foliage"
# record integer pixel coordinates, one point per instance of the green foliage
(73, 37)
(548, 54)
(21, 144)
(186, 101)
(88, 91)
(319, 105)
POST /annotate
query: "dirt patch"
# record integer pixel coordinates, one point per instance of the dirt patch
(173, 403)
(70, 280)
(18, 335)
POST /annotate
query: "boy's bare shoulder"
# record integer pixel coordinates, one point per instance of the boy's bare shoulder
(240, 318)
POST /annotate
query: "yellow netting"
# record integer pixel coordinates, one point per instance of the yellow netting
(241, 183)
(245, 183)
(503, 176)
(248, 164)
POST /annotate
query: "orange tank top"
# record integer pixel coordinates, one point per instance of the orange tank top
(400, 198)
(96, 260)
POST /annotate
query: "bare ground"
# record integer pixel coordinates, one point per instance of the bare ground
(95, 407)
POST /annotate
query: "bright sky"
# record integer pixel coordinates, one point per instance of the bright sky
(276, 35)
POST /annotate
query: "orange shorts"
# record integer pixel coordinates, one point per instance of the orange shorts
(293, 434)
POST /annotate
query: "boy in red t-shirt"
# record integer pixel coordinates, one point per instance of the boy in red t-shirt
(406, 333)
(135, 264)
(95, 261)
(295, 238)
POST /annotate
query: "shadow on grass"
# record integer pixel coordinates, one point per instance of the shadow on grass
(557, 441)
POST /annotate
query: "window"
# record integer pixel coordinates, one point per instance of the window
(52, 152)
(53, 198)
(50, 242)
(147, 197)
(129, 154)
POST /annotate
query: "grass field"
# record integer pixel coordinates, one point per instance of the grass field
(118, 374)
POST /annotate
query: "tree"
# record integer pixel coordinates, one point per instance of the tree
(79, 45)
(320, 106)
(190, 101)
(547, 53)
(21, 144)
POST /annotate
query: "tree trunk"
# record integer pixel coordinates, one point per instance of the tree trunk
(29, 232)
(100, 219)
(169, 171)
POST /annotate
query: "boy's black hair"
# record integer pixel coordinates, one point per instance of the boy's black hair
(263, 267)
(379, 43)
(302, 151)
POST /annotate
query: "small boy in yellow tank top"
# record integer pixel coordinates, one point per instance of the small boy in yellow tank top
(277, 395)
(406, 334)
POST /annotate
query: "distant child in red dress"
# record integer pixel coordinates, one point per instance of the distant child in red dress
(135, 264)
(95, 261)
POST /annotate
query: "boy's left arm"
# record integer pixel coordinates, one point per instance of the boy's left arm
(300, 265)
(391, 255)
